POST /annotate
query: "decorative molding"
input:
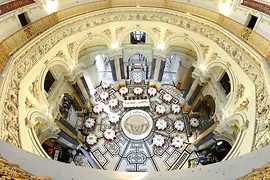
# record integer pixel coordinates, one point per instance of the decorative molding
(118, 31)
(239, 92)
(205, 49)
(28, 104)
(10, 170)
(168, 33)
(34, 89)
(108, 33)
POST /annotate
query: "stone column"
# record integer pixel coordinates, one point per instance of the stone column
(161, 69)
(83, 91)
(189, 93)
(122, 69)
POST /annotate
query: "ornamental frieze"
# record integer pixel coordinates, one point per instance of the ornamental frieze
(9, 130)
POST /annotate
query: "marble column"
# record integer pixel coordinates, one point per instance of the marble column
(122, 69)
(83, 91)
(161, 69)
(183, 78)
(194, 94)
(153, 66)
(113, 69)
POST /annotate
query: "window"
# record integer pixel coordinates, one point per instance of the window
(225, 83)
(252, 21)
(49, 80)
(24, 19)
(137, 37)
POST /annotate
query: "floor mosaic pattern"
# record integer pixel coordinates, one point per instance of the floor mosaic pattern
(124, 154)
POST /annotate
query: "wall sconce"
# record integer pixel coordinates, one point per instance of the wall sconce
(225, 6)
(114, 45)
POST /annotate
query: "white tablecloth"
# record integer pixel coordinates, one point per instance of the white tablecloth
(114, 118)
(167, 97)
(109, 134)
(158, 140)
(152, 91)
(161, 124)
(178, 142)
(98, 108)
(138, 91)
(123, 90)
(160, 109)
(113, 103)
(89, 123)
(194, 122)
(137, 81)
(136, 103)
(176, 108)
(104, 95)
(105, 85)
(179, 125)
(91, 139)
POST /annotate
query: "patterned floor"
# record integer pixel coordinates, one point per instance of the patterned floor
(124, 154)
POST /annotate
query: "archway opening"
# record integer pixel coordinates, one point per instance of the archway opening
(137, 69)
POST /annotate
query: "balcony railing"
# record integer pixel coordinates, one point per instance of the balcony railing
(15, 41)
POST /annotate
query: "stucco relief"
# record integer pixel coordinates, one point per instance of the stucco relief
(108, 33)
(118, 31)
(239, 92)
(29, 57)
(34, 89)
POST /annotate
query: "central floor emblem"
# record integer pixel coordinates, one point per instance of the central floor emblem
(137, 124)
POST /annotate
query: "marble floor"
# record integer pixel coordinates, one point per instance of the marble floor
(124, 154)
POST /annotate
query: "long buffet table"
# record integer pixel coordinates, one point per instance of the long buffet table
(136, 103)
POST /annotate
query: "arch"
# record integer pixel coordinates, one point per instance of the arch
(127, 31)
(224, 66)
(51, 63)
(238, 118)
(193, 44)
(86, 39)
(32, 115)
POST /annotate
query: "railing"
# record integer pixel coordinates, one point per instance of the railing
(24, 35)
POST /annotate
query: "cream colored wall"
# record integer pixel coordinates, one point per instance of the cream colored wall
(70, 46)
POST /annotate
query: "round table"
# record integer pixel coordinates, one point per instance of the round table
(194, 122)
(89, 123)
(176, 108)
(167, 97)
(161, 124)
(113, 103)
(178, 142)
(104, 95)
(109, 134)
(160, 109)
(179, 125)
(114, 118)
(158, 140)
(98, 108)
(105, 85)
(138, 91)
(123, 90)
(91, 139)
(152, 91)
